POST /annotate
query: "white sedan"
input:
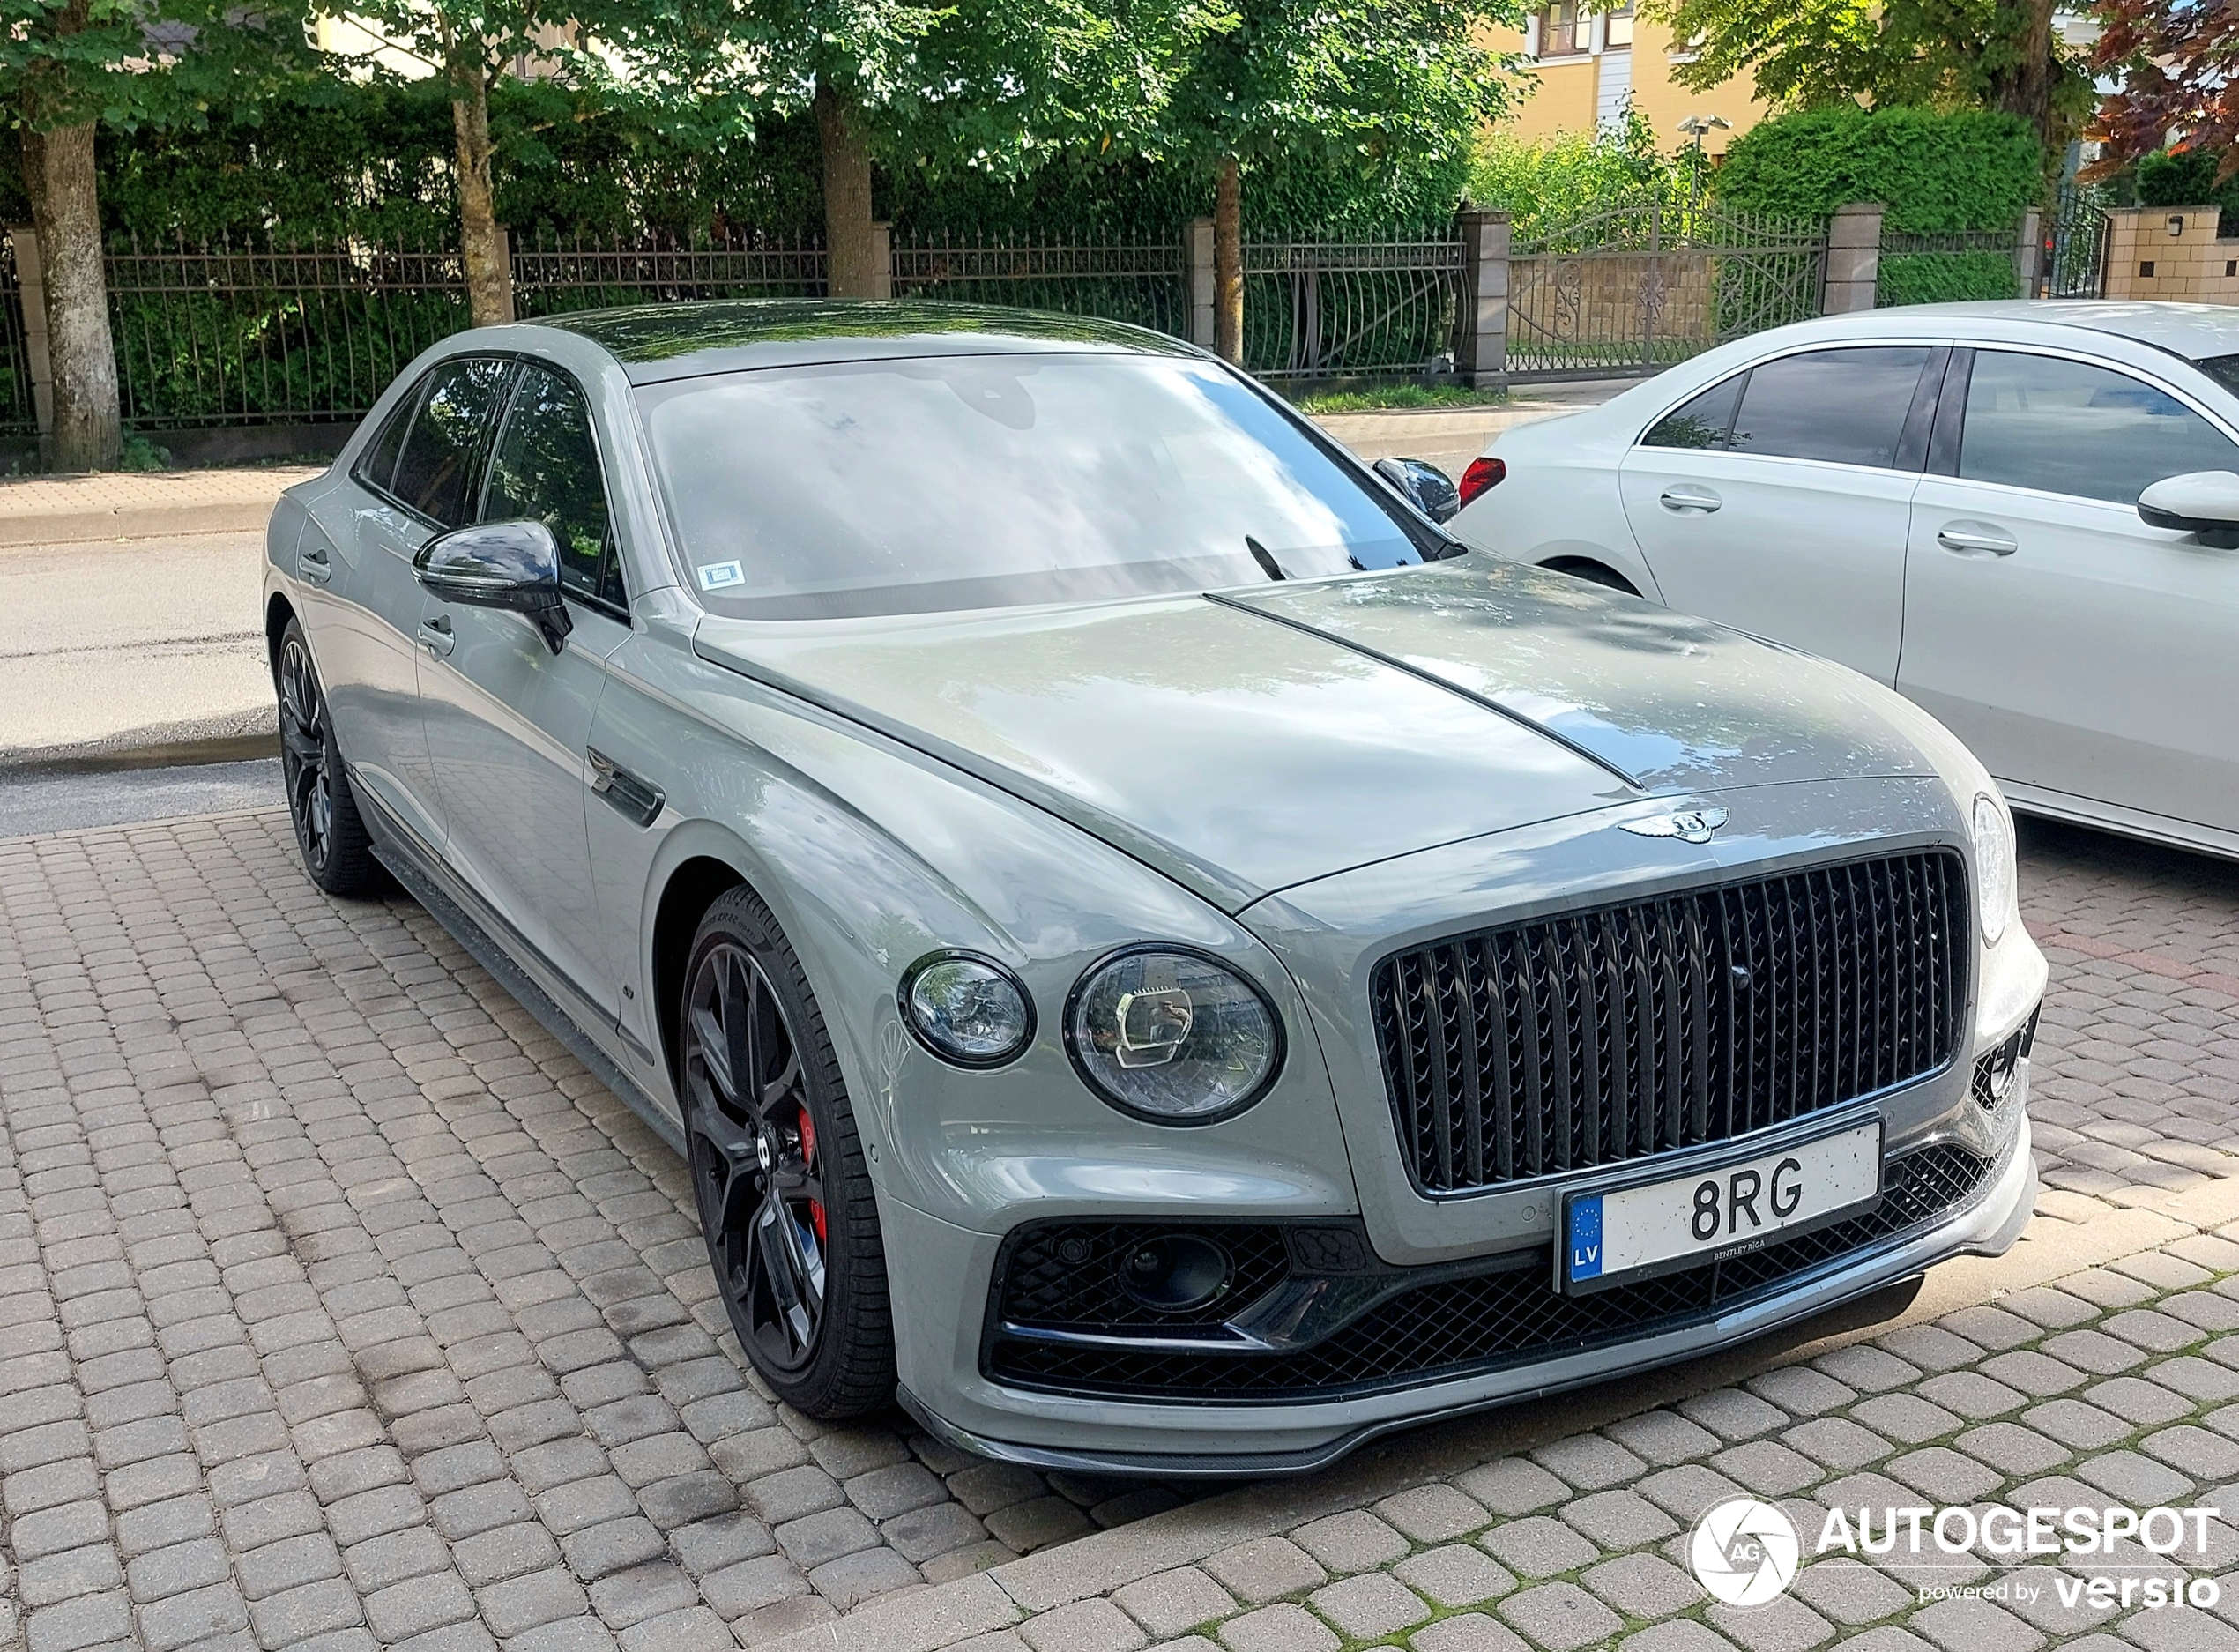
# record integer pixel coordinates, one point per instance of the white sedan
(2025, 517)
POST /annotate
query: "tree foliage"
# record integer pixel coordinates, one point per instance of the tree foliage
(1553, 181)
(2171, 62)
(1966, 169)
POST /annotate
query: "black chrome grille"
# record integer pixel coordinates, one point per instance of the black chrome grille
(1453, 1326)
(1596, 1037)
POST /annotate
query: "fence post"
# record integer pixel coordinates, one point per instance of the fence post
(1854, 257)
(882, 261)
(1197, 260)
(2028, 256)
(1481, 338)
(31, 288)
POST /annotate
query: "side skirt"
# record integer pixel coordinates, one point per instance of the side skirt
(458, 910)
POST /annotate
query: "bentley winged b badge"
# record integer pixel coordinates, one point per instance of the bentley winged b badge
(1689, 825)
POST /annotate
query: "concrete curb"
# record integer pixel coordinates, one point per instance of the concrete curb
(927, 1621)
(149, 522)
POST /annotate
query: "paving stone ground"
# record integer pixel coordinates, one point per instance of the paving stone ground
(340, 1307)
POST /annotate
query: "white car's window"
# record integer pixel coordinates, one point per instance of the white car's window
(972, 481)
(1701, 421)
(1838, 406)
(2066, 426)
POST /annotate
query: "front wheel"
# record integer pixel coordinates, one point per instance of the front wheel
(784, 1196)
(336, 851)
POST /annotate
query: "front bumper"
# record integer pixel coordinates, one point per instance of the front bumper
(946, 1388)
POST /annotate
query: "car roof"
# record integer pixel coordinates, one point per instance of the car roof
(654, 342)
(2195, 331)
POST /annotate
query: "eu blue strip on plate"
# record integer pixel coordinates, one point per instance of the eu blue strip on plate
(1586, 1236)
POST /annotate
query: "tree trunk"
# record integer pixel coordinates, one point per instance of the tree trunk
(2027, 89)
(58, 175)
(481, 243)
(1228, 264)
(851, 247)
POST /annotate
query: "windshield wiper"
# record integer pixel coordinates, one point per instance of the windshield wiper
(1269, 565)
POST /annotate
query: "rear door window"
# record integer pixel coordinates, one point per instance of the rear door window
(438, 471)
(378, 468)
(2063, 427)
(1837, 406)
(1701, 422)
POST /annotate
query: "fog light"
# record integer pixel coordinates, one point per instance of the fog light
(1175, 1272)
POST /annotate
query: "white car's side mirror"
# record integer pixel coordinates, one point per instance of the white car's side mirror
(2205, 502)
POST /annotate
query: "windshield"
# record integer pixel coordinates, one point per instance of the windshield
(988, 481)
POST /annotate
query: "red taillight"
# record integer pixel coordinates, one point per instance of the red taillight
(1481, 475)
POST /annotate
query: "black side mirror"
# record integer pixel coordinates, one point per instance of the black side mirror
(1422, 485)
(499, 565)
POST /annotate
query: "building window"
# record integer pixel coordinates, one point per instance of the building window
(1619, 35)
(1559, 33)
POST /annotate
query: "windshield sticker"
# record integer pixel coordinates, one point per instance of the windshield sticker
(721, 575)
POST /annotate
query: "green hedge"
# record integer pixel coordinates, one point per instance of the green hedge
(2187, 177)
(373, 161)
(1969, 169)
(1945, 278)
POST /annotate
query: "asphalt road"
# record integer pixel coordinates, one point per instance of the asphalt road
(33, 802)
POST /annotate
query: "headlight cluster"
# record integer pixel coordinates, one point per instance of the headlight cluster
(1993, 865)
(1174, 1036)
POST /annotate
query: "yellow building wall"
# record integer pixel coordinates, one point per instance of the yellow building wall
(1564, 100)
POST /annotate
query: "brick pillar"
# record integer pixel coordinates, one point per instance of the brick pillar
(2168, 252)
(1853, 258)
(2028, 254)
(1481, 333)
(31, 283)
(1197, 259)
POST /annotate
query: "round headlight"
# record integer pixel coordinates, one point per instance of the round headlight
(969, 1010)
(1993, 866)
(1172, 1036)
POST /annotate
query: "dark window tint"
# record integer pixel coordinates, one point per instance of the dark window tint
(437, 474)
(1699, 423)
(2222, 368)
(379, 465)
(547, 467)
(1838, 406)
(2070, 427)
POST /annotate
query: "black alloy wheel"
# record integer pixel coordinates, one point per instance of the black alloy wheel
(336, 850)
(785, 1196)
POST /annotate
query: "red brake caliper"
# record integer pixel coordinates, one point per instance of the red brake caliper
(808, 1157)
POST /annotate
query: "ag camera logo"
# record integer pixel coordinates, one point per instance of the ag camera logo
(1744, 1552)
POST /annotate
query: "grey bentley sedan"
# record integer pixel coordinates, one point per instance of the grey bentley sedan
(1157, 956)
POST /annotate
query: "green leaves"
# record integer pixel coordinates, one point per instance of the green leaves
(132, 62)
(1969, 169)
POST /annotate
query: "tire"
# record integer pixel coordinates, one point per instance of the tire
(329, 830)
(784, 1196)
(1594, 573)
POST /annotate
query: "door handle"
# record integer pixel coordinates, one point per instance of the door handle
(435, 635)
(314, 566)
(1689, 502)
(1975, 539)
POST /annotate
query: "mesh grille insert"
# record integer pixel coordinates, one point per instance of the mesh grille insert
(1455, 1327)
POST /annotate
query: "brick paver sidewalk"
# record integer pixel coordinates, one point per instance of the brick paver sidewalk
(339, 1307)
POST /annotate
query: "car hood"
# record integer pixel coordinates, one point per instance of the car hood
(1245, 742)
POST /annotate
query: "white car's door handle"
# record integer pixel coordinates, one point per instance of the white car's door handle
(1686, 501)
(435, 635)
(1975, 539)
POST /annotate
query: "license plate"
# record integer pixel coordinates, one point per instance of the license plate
(1615, 1232)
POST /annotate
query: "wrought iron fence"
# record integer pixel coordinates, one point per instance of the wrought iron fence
(1143, 281)
(230, 335)
(552, 276)
(1649, 280)
(18, 415)
(2075, 249)
(1949, 267)
(1319, 309)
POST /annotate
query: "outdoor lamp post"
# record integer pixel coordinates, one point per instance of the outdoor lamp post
(1696, 126)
